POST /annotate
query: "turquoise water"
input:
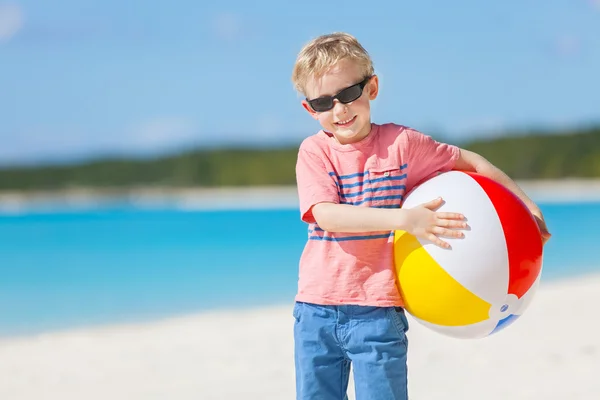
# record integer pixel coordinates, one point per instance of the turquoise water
(66, 268)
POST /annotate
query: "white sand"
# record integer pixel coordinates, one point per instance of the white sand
(552, 352)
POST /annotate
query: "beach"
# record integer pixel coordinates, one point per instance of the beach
(551, 352)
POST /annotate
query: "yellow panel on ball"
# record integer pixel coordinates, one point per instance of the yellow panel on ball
(429, 292)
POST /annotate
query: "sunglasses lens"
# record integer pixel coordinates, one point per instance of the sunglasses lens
(346, 96)
(350, 94)
(321, 104)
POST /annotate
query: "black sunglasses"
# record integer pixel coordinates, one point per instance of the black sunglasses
(345, 96)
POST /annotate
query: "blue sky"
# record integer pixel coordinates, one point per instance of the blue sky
(87, 78)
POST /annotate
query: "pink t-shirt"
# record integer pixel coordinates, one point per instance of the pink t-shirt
(358, 268)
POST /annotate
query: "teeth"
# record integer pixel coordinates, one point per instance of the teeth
(345, 122)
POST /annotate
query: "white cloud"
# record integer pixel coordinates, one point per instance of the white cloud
(269, 126)
(481, 126)
(11, 21)
(160, 132)
(227, 26)
(65, 142)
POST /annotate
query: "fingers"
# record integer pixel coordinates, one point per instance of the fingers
(437, 241)
(449, 215)
(451, 223)
(545, 237)
(437, 232)
(543, 228)
(433, 204)
(436, 203)
(451, 233)
(447, 225)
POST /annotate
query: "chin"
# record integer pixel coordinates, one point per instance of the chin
(348, 139)
(349, 133)
(346, 134)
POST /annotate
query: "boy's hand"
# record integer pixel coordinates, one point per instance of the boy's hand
(539, 218)
(425, 222)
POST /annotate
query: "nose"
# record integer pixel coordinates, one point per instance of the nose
(339, 108)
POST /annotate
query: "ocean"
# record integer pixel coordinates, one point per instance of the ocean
(62, 268)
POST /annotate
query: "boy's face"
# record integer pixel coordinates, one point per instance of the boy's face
(349, 123)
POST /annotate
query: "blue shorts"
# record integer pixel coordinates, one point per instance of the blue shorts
(328, 339)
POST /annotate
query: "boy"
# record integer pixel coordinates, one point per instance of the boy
(352, 176)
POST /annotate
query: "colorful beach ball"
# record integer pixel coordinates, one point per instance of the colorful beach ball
(488, 278)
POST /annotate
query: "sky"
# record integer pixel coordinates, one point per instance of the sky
(83, 79)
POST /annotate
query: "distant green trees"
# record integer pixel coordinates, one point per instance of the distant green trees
(544, 155)
(537, 155)
(206, 168)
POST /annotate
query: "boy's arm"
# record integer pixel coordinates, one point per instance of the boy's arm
(346, 218)
(422, 221)
(470, 161)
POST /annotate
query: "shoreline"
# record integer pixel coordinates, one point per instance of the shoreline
(545, 284)
(153, 197)
(552, 352)
(547, 191)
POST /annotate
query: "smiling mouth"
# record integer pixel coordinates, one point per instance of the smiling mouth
(346, 122)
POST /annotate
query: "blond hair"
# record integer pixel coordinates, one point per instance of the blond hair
(323, 52)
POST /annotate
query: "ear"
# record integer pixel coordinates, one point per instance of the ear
(308, 108)
(373, 87)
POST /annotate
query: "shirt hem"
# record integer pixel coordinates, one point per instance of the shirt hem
(344, 302)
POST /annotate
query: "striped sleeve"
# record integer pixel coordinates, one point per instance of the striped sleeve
(315, 184)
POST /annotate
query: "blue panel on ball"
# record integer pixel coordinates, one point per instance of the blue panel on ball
(503, 323)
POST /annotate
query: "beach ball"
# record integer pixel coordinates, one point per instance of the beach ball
(488, 278)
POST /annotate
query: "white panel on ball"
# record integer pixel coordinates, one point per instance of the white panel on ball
(486, 274)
